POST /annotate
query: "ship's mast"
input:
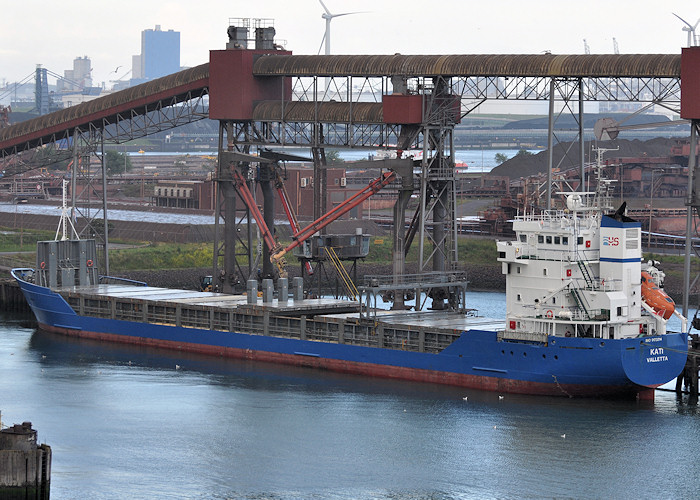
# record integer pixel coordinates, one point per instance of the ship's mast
(65, 219)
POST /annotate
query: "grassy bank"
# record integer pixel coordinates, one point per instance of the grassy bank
(200, 255)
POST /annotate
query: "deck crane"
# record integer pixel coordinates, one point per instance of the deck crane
(293, 221)
(277, 253)
(276, 157)
(300, 236)
(242, 188)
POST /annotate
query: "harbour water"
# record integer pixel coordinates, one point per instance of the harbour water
(131, 422)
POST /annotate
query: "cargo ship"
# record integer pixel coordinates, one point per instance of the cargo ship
(578, 322)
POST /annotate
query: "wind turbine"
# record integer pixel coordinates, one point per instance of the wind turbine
(690, 29)
(329, 17)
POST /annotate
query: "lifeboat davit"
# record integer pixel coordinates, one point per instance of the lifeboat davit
(656, 298)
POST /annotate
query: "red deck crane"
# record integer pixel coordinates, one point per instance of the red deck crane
(277, 253)
(269, 240)
(300, 236)
(293, 221)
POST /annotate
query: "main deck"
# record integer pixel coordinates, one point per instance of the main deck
(324, 319)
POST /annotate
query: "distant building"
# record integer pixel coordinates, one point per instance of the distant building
(160, 55)
(78, 78)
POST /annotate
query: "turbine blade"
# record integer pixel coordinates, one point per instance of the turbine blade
(348, 13)
(325, 8)
(679, 17)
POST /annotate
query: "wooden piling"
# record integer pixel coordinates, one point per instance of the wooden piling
(689, 376)
(11, 296)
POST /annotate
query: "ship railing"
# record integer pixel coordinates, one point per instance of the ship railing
(544, 216)
(537, 253)
(567, 314)
(574, 326)
(598, 284)
(432, 278)
(453, 283)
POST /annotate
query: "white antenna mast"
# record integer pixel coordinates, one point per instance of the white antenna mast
(65, 220)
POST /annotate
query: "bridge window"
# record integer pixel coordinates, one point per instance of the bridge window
(549, 240)
(564, 240)
(557, 240)
(523, 238)
(540, 238)
(579, 240)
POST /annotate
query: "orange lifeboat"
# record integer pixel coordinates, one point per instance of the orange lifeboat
(656, 298)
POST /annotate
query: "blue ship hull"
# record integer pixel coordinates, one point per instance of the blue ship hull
(580, 367)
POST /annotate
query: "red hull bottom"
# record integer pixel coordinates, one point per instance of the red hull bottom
(492, 384)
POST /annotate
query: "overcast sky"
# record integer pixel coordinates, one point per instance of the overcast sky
(109, 33)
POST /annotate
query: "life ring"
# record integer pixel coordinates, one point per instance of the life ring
(550, 314)
(42, 265)
(89, 263)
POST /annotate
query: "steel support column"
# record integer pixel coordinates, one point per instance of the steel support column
(693, 205)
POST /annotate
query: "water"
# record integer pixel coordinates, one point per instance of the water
(476, 160)
(124, 422)
(114, 214)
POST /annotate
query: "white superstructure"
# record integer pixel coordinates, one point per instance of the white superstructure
(576, 272)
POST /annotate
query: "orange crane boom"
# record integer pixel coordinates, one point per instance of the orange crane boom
(277, 253)
(293, 221)
(247, 196)
(300, 236)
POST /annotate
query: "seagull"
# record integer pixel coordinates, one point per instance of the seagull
(43, 356)
(563, 436)
(500, 397)
(117, 69)
(465, 398)
(177, 367)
